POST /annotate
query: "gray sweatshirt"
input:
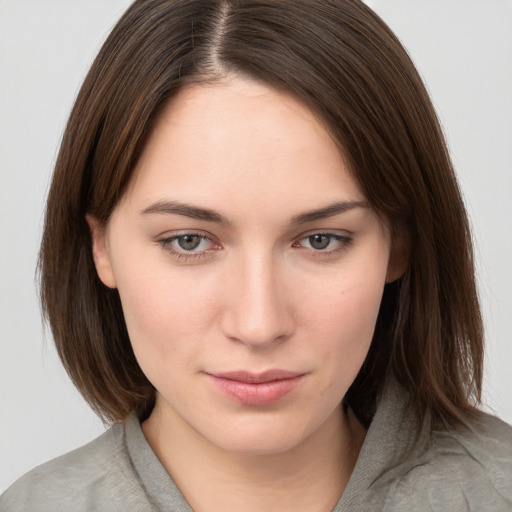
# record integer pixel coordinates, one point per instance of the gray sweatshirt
(467, 469)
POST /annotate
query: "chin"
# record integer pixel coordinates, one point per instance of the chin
(254, 437)
(261, 445)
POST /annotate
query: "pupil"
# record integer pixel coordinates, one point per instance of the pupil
(319, 241)
(189, 242)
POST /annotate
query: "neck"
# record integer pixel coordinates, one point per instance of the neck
(310, 476)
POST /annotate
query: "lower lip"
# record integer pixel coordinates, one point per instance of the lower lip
(263, 393)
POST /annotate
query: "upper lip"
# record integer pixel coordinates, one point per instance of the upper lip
(257, 378)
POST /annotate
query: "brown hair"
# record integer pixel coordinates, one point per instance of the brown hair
(340, 59)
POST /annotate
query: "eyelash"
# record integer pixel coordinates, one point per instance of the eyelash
(166, 243)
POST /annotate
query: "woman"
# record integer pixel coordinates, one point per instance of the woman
(256, 263)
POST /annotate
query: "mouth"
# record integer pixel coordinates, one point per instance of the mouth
(256, 388)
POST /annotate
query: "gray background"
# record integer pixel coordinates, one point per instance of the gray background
(463, 49)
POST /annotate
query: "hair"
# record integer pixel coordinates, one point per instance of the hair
(342, 61)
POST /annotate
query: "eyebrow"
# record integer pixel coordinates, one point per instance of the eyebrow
(194, 212)
(327, 211)
(186, 210)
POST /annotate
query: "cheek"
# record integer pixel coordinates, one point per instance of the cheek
(166, 316)
(343, 314)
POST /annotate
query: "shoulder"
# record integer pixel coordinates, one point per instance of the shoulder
(90, 478)
(469, 468)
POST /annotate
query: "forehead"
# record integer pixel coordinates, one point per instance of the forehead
(239, 138)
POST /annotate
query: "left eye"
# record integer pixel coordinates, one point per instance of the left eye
(323, 242)
(319, 242)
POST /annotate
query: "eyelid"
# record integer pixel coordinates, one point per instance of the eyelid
(325, 231)
(338, 233)
(170, 233)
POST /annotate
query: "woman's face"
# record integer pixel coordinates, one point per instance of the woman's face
(249, 267)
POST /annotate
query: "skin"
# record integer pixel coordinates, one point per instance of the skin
(257, 293)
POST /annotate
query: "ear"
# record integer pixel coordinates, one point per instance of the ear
(398, 259)
(100, 252)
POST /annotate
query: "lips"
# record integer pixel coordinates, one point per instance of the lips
(256, 388)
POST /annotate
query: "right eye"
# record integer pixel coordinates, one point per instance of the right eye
(187, 245)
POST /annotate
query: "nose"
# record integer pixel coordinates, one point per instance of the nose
(259, 311)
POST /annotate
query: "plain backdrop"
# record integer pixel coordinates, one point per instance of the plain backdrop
(463, 49)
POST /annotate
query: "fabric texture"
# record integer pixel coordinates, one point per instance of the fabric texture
(468, 469)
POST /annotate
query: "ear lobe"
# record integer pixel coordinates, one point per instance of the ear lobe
(99, 251)
(398, 259)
